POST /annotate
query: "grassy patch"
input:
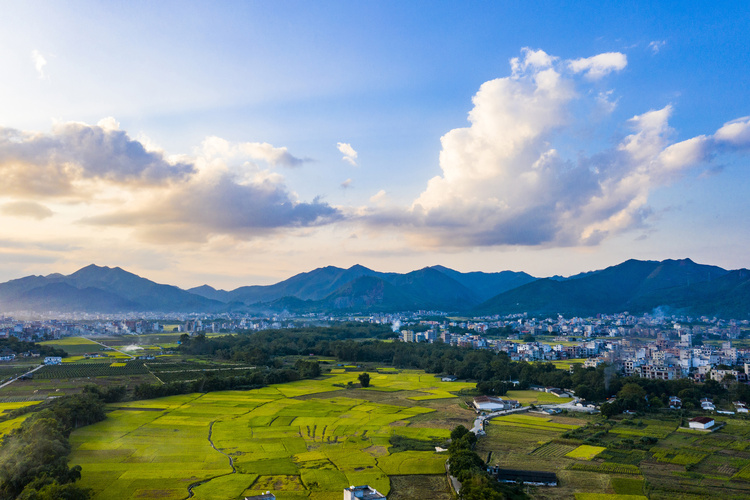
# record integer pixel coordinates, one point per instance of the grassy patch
(627, 486)
(585, 452)
(606, 468)
(415, 486)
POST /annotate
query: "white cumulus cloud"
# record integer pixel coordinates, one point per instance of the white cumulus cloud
(350, 155)
(504, 180)
(216, 147)
(736, 132)
(378, 197)
(600, 65)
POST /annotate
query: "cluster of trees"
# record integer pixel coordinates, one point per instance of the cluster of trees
(213, 381)
(493, 371)
(260, 348)
(34, 457)
(638, 394)
(471, 471)
(20, 346)
(210, 382)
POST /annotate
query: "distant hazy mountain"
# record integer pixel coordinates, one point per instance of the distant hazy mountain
(635, 286)
(727, 296)
(99, 289)
(487, 285)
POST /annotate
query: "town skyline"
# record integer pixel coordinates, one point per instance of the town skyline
(245, 143)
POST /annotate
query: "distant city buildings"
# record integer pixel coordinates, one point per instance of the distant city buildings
(647, 346)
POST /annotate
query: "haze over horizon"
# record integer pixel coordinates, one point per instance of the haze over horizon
(246, 142)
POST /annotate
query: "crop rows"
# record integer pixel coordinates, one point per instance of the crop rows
(606, 468)
(633, 457)
(553, 450)
(185, 375)
(743, 474)
(156, 366)
(83, 370)
(682, 457)
(9, 372)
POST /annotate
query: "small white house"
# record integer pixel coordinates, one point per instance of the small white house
(53, 360)
(265, 496)
(701, 423)
(489, 403)
(362, 492)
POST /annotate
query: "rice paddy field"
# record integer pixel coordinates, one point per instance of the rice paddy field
(305, 439)
(632, 459)
(115, 364)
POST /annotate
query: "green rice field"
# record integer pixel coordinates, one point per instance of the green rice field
(595, 458)
(305, 439)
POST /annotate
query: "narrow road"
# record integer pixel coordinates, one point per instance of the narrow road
(13, 380)
(478, 428)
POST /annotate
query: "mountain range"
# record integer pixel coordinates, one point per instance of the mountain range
(680, 286)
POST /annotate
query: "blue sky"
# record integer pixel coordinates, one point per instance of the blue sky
(199, 143)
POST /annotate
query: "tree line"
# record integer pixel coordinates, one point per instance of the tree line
(471, 471)
(34, 457)
(494, 372)
(21, 346)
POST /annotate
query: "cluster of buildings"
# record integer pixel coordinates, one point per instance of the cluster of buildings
(642, 346)
(648, 346)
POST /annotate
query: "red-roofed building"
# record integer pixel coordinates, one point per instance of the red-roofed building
(701, 423)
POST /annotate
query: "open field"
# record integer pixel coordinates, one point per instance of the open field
(74, 345)
(305, 439)
(130, 345)
(565, 364)
(109, 368)
(619, 459)
(536, 397)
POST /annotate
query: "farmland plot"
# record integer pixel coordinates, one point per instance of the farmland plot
(296, 448)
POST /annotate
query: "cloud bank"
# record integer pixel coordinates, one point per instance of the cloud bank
(228, 189)
(504, 181)
(59, 164)
(26, 209)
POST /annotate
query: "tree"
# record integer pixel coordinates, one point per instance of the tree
(632, 396)
(611, 409)
(459, 432)
(364, 379)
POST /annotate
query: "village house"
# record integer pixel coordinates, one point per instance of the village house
(701, 423)
(528, 477)
(364, 492)
(265, 496)
(7, 355)
(490, 403)
(707, 404)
